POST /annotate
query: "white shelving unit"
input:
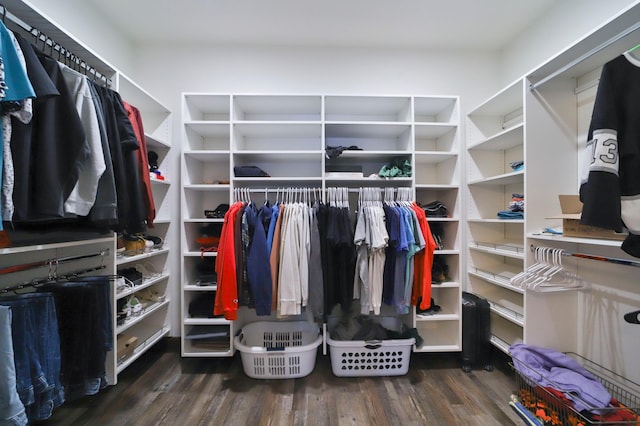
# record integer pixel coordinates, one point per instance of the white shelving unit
(495, 246)
(559, 100)
(152, 324)
(286, 136)
(543, 119)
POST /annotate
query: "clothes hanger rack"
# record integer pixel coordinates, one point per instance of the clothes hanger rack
(51, 263)
(587, 55)
(616, 260)
(64, 55)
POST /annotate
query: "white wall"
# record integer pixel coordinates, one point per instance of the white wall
(167, 71)
(81, 21)
(565, 24)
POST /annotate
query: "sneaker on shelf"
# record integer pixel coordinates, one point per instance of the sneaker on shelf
(135, 306)
(148, 296)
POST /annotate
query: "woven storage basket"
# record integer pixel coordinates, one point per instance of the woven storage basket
(278, 350)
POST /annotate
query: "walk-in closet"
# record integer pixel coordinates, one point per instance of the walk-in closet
(286, 213)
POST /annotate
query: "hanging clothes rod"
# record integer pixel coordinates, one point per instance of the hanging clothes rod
(585, 56)
(275, 190)
(82, 65)
(50, 262)
(616, 260)
(37, 282)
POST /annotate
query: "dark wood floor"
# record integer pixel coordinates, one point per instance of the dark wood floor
(162, 389)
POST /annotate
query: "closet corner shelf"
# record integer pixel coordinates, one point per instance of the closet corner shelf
(154, 141)
(142, 348)
(206, 321)
(434, 157)
(507, 314)
(207, 186)
(148, 282)
(500, 344)
(166, 182)
(446, 251)
(499, 277)
(193, 287)
(437, 317)
(587, 241)
(437, 348)
(145, 313)
(446, 284)
(206, 155)
(494, 220)
(436, 186)
(121, 260)
(200, 254)
(503, 179)
(508, 138)
(502, 250)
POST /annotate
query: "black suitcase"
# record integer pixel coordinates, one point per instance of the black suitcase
(476, 332)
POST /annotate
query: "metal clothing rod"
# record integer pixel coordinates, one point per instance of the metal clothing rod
(54, 45)
(585, 56)
(35, 283)
(49, 262)
(616, 260)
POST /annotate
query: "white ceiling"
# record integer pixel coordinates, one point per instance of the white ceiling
(478, 24)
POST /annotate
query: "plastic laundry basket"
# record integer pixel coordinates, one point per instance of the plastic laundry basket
(278, 350)
(352, 358)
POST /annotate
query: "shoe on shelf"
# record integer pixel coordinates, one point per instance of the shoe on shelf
(148, 296)
(135, 306)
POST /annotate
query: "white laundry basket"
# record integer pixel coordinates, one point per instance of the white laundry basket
(278, 350)
(353, 358)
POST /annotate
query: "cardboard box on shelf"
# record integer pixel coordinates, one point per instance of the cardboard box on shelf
(126, 345)
(571, 207)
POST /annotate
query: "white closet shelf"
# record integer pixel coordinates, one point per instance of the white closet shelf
(153, 141)
(204, 288)
(209, 129)
(505, 253)
(142, 348)
(165, 182)
(433, 157)
(123, 260)
(498, 275)
(436, 187)
(507, 314)
(207, 187)
(365, 130)
(440, 316)
(500, 344)
(148, 282)
(586, 241)
(495, 220)
(206, 155)
(368, 181)
(508, 138)
(433, 130)
(503, 179)
(206, 321)
(507, 100)
(199, 254)
(279, 155)
(287, 136)
(131, 321)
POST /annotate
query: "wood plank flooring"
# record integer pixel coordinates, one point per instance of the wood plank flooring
(161, 388)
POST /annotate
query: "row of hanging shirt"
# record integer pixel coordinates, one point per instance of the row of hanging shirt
(300, 252)
(395, 250)
(71, 148)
